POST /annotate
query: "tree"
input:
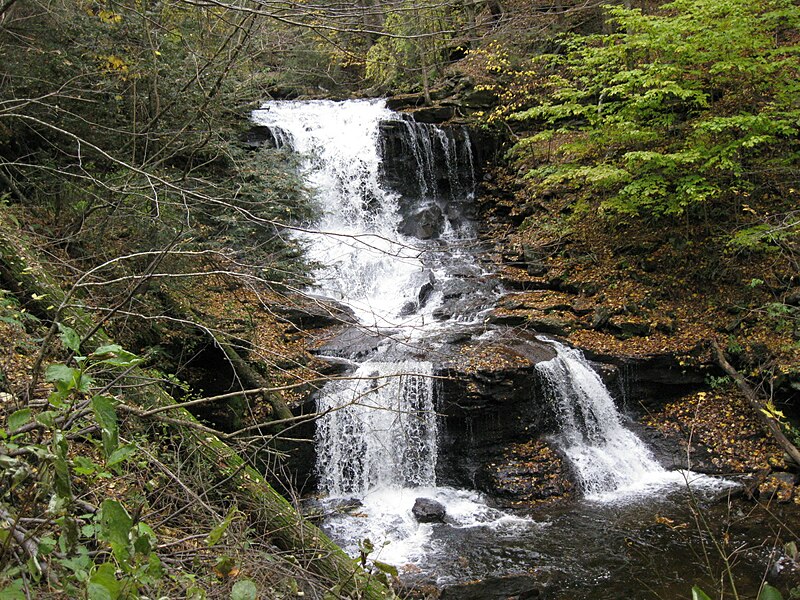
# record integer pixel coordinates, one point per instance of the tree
(686, 110)
(121, 165)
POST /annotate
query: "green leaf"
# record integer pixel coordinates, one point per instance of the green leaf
(244, 590)
(66, 378)
(47, 545)
(69, 337)
(196, 593)
(769, 593)
(698, 594)
(47, 418)
(83, 465)
(70, 532)
(791, 550)
(116, 526)
(63, 478)
(218, 531)
(145, 539)
(13, 591)
(78, 564)
(18, 419)
(106, 417)
(113, 354)
(385, 568)
(61, 374)
(366, 546)
(103, 584)
(121, 454)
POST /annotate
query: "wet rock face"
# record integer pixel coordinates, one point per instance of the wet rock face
(351, 344)
(424, 224)
(259, 136)
(518, 587)
(490, 399)
(778, 487)
(527, 473)
(436, 163)
(313, 312)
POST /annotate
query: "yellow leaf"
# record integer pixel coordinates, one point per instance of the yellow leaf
(106, 16)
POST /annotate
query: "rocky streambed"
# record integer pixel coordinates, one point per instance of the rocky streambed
(453, 386)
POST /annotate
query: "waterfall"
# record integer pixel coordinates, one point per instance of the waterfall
(366, 253)
(393, 240)
(607, 457)
(378, 427)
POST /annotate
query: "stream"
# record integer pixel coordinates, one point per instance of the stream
(396, 242)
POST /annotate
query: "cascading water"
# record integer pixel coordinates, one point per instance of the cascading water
(392, 242)
(363, 261)
(605, 454)
(610, 461)
(380, 431)
(368, 254)
(386, 246)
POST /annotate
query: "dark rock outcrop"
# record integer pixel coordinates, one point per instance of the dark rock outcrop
(424, 223)
(311, 312)
(427, 510)
(490, 399)
(518, 587)
(527, 473)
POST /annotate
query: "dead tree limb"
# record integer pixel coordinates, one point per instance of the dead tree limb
(758, 405)
(268, 511)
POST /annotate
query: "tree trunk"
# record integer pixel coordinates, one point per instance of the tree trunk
(758, 405)
(269, 512)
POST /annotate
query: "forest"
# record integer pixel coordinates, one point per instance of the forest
(633, 192)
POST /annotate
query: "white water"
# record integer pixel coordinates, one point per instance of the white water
(379, 430)
(377, 438)
(611, 462)
(363, 260)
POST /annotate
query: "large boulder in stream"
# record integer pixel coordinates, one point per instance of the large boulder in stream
(518, 587)
(427, 510)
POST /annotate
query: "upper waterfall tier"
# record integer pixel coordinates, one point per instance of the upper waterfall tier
(392, 199)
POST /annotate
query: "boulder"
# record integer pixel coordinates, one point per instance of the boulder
(518, 587)
(535, 260)
(600, 317)
(627, 327)
(353, 343)
(549, 326)
(530, 472)
(434, 114)
(313, 312)
(427, 510)
(426, 282)
(423, 224)
(480, 99)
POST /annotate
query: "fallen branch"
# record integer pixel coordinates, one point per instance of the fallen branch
(268, 511)
(758, 405)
